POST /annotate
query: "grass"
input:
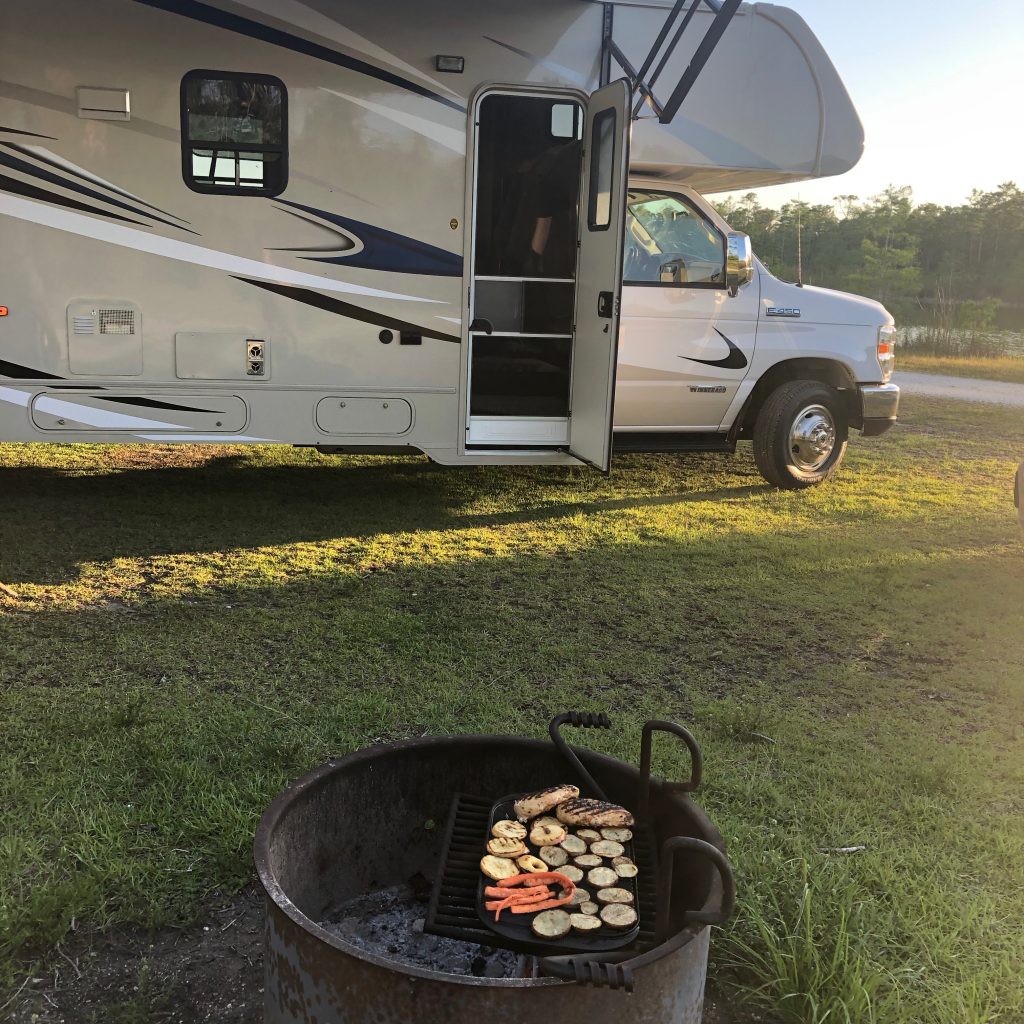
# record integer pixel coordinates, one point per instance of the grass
(186, 629)
(1004, 368)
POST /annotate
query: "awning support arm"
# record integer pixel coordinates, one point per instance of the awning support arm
(644, 86)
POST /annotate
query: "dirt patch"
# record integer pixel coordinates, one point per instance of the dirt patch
(210, 972)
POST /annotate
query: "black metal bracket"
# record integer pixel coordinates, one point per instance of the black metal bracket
(579, 720)
(660, 54)
(669, 850)
(643, 800)
(615, 969)
(601, 969)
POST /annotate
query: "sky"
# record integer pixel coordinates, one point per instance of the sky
(939, 87)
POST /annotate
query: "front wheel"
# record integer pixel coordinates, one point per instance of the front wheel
(800, 434)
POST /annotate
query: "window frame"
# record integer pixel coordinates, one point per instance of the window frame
(188, 145)
(597, 155)
(690, 205)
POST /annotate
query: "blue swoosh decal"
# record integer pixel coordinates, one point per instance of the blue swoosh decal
(385, 250)
(256, 30)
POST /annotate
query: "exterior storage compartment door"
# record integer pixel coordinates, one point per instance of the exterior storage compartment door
(599, 274)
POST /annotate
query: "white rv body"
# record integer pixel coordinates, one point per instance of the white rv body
(136, 305)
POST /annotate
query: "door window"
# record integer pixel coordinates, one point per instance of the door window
(669, 243)
(602, 162)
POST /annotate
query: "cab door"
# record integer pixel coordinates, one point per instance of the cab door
(599, 274)
(687, 344)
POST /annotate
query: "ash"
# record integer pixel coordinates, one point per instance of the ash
(389, 923)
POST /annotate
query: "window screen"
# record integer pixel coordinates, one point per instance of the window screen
(234, 130)
(602, 165)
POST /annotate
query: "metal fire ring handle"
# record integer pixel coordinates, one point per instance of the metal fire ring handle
(643, 802)
(579, 720)
(669, 850)
(601, 969)
(616, 969)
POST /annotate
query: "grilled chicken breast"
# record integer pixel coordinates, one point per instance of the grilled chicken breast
(534, 804)
(582, 811)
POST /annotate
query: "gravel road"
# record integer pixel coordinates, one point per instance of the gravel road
(969, 389)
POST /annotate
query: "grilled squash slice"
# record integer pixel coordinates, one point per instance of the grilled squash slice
(507, 848)
(498, 867)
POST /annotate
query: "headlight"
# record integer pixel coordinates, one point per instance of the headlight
(886, 351)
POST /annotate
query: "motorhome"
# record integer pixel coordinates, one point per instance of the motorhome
(466, 228)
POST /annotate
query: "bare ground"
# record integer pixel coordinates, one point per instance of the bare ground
(212, 971)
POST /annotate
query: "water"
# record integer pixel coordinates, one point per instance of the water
(961, 342)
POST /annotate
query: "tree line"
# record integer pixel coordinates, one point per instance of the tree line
(943, 266)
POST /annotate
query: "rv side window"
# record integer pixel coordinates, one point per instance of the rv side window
(669, 243)
(234, 132)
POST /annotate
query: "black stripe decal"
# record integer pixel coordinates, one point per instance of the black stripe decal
(735, 360)
(152, 403)
(256, 30)
(18, 372)
(332, 305)
(34, 135)
(55, 179)
(83, 177)
(23, 188)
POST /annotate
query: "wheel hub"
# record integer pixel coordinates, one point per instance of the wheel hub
(812, 438)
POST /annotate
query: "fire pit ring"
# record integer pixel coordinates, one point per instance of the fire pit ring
(376, 819)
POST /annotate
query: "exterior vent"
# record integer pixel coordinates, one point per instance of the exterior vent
(104, 104)
(104, 337)
(116, 321)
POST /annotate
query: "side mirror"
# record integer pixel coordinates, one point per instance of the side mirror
(672, 272)
(739, 263)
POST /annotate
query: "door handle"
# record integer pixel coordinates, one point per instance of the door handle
(606, 305)
(481, 326)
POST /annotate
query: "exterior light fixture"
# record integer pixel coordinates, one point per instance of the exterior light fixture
(449, 64)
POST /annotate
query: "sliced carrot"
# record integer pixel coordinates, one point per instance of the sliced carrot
(532, 908)
(493, 891)
(514, 901)
(536, 877)
(499, 907)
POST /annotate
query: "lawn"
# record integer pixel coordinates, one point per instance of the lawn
(1004, 368)
(185, 629)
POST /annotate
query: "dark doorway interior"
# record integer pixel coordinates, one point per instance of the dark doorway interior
(528, 182)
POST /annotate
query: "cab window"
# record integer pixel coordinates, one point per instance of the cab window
(669, 243)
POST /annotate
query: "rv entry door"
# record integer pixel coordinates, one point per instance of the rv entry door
(599, 274)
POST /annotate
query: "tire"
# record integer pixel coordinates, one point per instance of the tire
(800, 434)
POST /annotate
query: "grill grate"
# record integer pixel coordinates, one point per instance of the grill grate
(452, 909)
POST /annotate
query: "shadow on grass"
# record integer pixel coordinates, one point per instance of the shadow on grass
(52, 521)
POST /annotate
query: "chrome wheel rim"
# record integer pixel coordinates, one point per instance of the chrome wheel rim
(812, 438)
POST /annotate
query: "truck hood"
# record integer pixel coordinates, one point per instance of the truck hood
(822, 305)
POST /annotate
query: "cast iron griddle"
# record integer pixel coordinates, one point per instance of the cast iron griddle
(517, 927)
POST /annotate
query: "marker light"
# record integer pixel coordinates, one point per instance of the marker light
(452, 65)
(886, 350)
(4, 311)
